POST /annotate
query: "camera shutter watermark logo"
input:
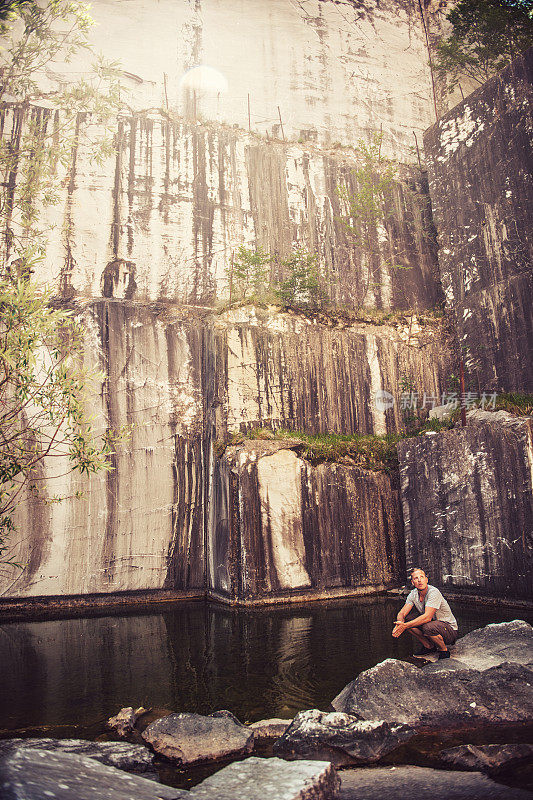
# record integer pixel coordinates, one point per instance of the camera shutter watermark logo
(383, 400)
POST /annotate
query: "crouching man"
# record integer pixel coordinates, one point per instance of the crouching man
(435, 626)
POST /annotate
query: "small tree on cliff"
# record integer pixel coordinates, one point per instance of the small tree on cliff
(486, 35)
(42, 380)
(367, 210)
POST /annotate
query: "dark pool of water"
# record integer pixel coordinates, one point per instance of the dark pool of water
(66, 677)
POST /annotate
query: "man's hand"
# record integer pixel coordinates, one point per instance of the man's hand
(399, 628)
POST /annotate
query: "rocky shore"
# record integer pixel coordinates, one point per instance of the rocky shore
(455, 729)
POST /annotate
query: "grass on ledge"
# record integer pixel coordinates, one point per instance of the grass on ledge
(376, 453)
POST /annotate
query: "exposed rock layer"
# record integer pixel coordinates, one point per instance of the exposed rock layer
(467, 500)
(481, 153)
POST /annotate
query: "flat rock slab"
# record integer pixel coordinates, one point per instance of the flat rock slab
(270, 779)
(401, 693)
(489, 758)
(495, 644)
(27, 774)
(192, 738)
(408, 783)
(266, 729)
(129, 757)
(340, 738)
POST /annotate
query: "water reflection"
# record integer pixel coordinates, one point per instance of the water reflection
(69, 676)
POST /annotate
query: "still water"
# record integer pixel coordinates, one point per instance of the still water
(66, 677)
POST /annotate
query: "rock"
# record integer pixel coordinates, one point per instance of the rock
(267, 729)
(190, 738)
(223, 713)
(124, 722)
(340, 738)
(270, 778)
(122, 755)
(468, 506)
(401, 783)
(27, 774)
(503, 641)
(489, 758)
(398, 692)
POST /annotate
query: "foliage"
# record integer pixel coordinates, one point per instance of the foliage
(249, 273)
(37, 158)
(486, 35)
(301, 288)
(42, 393)
(42, 381)
(368, 451)
(367, 211)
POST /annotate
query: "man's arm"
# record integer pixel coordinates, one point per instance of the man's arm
(401, 626)
(403, 612)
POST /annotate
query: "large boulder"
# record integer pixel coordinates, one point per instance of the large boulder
(122, 755)
(503, 641)
(27, 774)
(272, 778)
(490, 758)
(401, 693)
(340, 738)
(401, 783)
(192, 738)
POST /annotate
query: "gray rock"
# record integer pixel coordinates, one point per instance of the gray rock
(398, 692)
(269, 729)
(340, 738)
(122, 755)
(402, 783)
(124, 722)
(27, 774)
(191, 738)
(270, 779)
(503, 641)
(489, 758)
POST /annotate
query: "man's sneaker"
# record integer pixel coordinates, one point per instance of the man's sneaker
(444, 654)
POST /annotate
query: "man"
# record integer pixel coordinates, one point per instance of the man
(435, 626)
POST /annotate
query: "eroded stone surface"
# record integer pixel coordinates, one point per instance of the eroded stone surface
(191, 738)
(123, 723)
(502, 641)
(27, 774)
(489, 758)
(468, 504)
(399, 692)
(480, 152)
(401, 783)
(299, 527)
(341, 738)
(122, 755)
(272, 778)
(269, 728)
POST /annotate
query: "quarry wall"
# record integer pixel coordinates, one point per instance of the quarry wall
(140, 247)
(481, 152)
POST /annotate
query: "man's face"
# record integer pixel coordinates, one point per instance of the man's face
(419, 580)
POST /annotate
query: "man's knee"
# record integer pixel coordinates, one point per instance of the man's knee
(438, 628)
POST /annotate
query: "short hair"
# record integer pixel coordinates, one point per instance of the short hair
(416, 569)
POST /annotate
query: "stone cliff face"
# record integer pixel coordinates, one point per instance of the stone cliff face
(162, 518)
(161, 218)
(141, 247)
(282, 527)
(481, 153)
(468, 505)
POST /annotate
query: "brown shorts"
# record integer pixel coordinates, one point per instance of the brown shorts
(435, 627)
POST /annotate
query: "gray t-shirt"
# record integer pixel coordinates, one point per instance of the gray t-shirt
(433, 599)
